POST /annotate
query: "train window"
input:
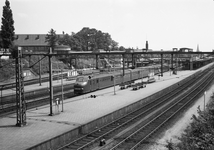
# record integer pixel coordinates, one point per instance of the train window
(112, 78)
(81, 79)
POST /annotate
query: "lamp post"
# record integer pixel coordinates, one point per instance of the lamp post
(40, 80)
(62, 89)
(130, 74)
(114, 80)
(142, 75)
(177, 64)
(87, 41)
(57, 63)
(1, 96)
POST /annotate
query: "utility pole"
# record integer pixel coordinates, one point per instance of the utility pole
(161, 65)
(62, 88)
(20, 98)
(114, 78)
(50, 83)
(40, 80)
(123, 65)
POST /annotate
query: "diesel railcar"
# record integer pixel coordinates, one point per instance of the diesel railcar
(86, 84)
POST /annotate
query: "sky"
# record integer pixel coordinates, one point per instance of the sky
(165, 24)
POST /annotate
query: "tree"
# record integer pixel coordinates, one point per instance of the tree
(92, 39)
(121, 48)
(7, 28)
(73, 41)
(114, 45)
(65, 40)
(52, 39)
(1, 42)
(89, 40)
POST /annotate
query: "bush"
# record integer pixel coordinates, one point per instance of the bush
(200, 134)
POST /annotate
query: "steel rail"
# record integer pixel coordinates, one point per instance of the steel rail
(33, 103)
(148, 125)
(30, 82)
(29, 95)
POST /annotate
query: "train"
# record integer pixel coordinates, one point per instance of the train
(86, 84)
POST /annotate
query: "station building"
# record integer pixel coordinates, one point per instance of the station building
(36, 43)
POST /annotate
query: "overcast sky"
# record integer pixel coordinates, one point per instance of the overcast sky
(166, 24)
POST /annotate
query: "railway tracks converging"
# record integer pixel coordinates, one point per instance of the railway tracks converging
(139, 135)
(131, 131)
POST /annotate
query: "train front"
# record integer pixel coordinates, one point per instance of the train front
(80, 84)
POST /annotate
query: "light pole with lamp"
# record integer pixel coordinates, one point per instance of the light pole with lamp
(114, 76)
(40, 78)
(62, 89)
(114, 80)
(1, 96)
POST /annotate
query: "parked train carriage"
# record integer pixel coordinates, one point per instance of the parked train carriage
(135, 75)
(118, 78)
(145, 73)
(127, 77)
(105, 82)
(85, 85)
(93, 84)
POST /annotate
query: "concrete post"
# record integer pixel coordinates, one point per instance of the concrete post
(96, 61)
(171, 60)
(50, 83)
(161, 65)
(132, 60)
(123, 64)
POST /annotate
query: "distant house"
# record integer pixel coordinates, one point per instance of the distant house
(28, 73)
(185, 49)
(62, 49)
(36, 43)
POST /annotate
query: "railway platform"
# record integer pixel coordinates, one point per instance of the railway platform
(77, 111)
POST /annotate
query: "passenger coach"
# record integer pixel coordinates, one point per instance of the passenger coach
(86, 84)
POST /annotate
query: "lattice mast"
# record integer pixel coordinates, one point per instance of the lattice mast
(20, 98)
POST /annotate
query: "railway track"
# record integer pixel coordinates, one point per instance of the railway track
(29, 95)
(31, 81)
(137, 139)
(34, 98)
(33, 103)
(131, 122)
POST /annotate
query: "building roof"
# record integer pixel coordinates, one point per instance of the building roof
(31, 39)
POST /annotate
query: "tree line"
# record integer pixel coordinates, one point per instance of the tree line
(85, 40)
